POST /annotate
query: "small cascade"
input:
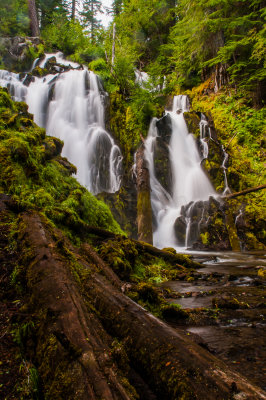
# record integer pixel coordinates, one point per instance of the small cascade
(204, 135)
(190, 184)
(16, 88)
(224, 168)
(70, 105)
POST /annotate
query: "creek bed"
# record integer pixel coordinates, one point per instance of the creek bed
(225, 305)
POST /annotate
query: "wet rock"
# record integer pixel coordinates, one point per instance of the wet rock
(53, 147)
(70, 168)
(202, 225)
(164, 126)
(192, 119)
(180, 228)
(162, 164)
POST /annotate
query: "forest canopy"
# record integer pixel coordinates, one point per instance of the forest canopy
(184, 41)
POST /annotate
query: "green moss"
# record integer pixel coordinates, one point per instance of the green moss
(231, 229)
(40, 72)
(205, 238)
(33, 172)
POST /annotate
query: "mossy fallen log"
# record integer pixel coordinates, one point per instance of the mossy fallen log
(243, 192)
(72, 350)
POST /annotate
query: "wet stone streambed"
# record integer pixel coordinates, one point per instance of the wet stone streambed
(223, 309)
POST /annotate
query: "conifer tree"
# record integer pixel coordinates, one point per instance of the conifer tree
(117, 7)
(88, 14)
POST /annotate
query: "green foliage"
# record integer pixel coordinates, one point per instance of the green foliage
(208, 33)
(65, 35)
(88, 15)
(51, 10)
(14, 18)
(241, 129)
(36, 182)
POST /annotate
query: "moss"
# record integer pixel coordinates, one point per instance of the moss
(33, 172)
(40, 72)
(144, 216)
(205, 238)
(240, 129)
(231, 229)
(173, 311)
(262, 273)
(120, 255)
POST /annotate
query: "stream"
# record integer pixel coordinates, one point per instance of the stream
(226, 306)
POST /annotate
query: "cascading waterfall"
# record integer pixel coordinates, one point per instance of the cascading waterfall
(190, 183)
(70, 106)
(224, 168)
(204, 134)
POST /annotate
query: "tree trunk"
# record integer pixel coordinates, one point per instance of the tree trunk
(144, 198)
(35, 31)
(73, 10)
(113, 48)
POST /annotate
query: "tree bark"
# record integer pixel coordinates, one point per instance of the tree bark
(73, 10)
(144, 197)
(243, 192)
(34, 25)
(113, 48)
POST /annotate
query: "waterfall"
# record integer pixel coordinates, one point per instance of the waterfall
(204, 133)
(224, 168)
(190, 184)
(70, 105)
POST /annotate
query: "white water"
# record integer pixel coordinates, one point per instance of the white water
(204, 133)
(190, 183)
(224, 168)
(70, 106)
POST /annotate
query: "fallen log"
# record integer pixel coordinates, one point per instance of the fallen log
(71, 337)
(72, 353)
(179, 259)
(243, 192)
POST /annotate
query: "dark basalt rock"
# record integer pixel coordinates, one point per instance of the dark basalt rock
(28, 79)
(164, 126)
(206, 223)
(70, 168)
(180, 227)
(162, 164)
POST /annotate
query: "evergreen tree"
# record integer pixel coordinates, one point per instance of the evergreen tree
(117, 7)
(14, 18)
(50, 9)
(89, 20)
(210, 33)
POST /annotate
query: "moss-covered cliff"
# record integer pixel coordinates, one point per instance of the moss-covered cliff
(240, 128)
(36, 176)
